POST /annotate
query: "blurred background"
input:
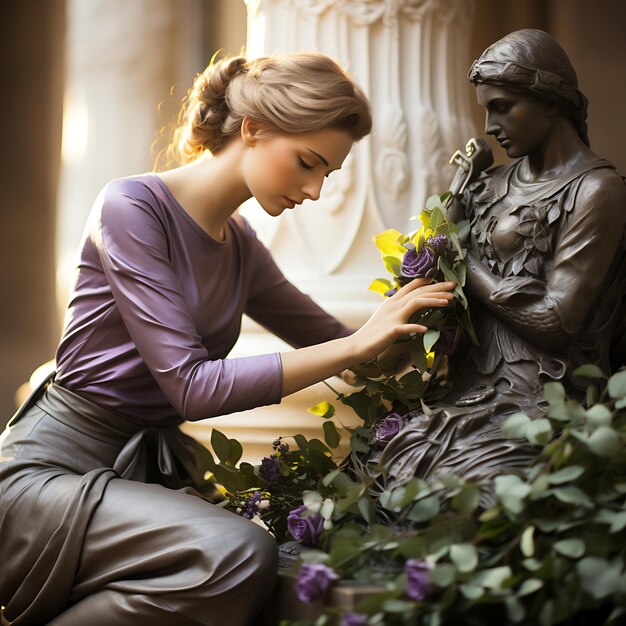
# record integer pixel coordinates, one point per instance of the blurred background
(88, 85)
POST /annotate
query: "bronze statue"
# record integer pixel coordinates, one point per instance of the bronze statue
(545, 267)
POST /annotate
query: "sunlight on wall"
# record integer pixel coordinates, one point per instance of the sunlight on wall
(75, 128)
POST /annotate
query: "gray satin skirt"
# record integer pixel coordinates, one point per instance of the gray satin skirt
(99, 525)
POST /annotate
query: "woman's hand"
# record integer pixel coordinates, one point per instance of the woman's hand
(391, 320)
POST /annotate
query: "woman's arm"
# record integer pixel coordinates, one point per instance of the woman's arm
(584, 252)
(131, 242)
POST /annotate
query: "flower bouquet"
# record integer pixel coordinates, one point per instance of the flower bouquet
(435, 251)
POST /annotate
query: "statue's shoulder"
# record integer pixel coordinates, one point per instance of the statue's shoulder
(603, 184)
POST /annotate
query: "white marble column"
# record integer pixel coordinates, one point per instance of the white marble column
(122, 61)
(411, 57)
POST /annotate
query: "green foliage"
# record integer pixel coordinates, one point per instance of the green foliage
(426, 380)
(552, 550)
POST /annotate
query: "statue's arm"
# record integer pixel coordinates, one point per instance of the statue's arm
(584, 252)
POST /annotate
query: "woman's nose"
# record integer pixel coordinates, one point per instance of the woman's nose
(313, 187)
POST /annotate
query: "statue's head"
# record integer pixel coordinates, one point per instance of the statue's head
(531, 62)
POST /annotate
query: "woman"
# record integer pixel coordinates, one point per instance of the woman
(98, 520)
(545, 267)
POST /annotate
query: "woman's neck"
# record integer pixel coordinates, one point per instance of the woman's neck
(562, 150)
(210, 189)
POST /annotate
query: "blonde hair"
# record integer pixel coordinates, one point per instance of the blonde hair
(295, 93)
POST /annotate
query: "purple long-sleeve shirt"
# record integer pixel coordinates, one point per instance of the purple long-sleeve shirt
(156, 308)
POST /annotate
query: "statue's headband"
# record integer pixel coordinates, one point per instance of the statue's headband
(540, 83)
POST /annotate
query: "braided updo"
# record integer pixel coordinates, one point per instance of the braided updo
(295, 93)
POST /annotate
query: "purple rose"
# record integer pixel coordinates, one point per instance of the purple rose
(418, 584)
(313, 581)
(419, 264)
(448, 340)
(268, 470)
(307, 529)
(354, 619)
(389, 428)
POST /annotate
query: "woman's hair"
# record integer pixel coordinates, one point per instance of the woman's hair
(295, 93)
(531, 62)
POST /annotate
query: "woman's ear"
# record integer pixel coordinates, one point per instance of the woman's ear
(249, 131)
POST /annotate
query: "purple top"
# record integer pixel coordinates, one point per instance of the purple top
(156, 308)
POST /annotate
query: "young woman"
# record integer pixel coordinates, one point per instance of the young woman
(96, 526)
(546, 273)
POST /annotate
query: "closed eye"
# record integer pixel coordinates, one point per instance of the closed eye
(304, 164)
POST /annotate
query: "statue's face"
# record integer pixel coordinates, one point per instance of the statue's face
(520, 124)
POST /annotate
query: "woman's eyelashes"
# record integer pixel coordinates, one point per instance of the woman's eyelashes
(304, 164)
(307, 166)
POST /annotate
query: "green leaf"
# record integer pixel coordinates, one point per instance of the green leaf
(515, 609)
(220, 445)
(573, 495)
(430, 339)
(554, 392)
(515, 426)
(604, 441)
(599, 577)
(358, 445)
(589, 371)
(573, 548)
(471, 592)
(617, 385)
(539, 431)
(443, 575)
(437, 218)
(492, 578)
(527, 542)
(424, 509)
(330, 477)
(467, 500)
(392, 264)
(464, 556)
(323, 409)
(565, 475)
(511, 491)
(433, 202)
(331, 434)
(397, 606)
(530, 585)
(598, 415)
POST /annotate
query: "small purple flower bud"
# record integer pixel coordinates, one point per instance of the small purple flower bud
(250, 507)
(313, 581)
(418, 583)
(269, 469)
(354, 619)
(439, 243)
(448, 340)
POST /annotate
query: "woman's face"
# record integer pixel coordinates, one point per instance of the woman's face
(281, 171)
(520, 124)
